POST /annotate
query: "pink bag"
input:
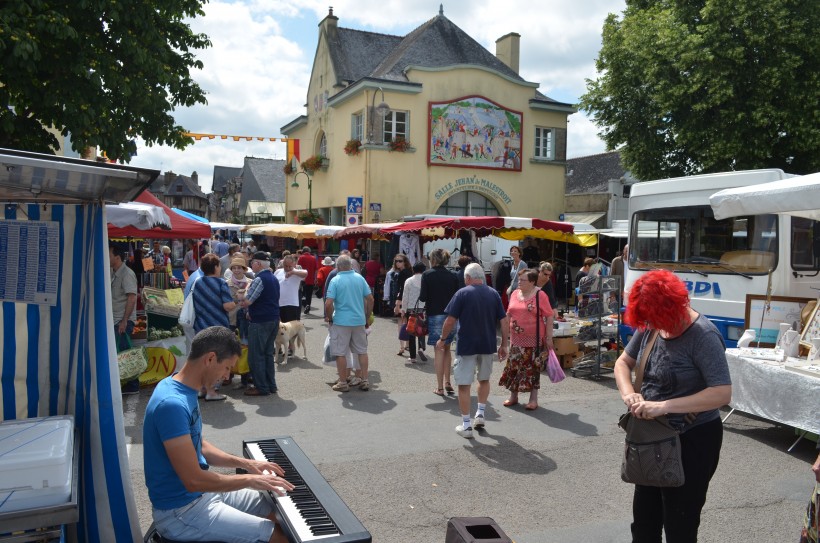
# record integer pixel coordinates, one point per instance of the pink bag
(554, 369)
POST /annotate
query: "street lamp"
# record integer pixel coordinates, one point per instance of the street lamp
(295, 185)
(381, 110)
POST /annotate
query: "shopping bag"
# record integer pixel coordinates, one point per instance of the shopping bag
(187, 315)
(554, 369)
(241, 367)
(131, 361)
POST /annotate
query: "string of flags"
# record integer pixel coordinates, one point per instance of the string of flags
(198, 136)
(293, 144)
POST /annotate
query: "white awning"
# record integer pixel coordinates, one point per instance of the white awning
(586, 217)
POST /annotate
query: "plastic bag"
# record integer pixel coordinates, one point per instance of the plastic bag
(554, 369)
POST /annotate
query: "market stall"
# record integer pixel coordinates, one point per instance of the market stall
(798, 196)
(58, 355)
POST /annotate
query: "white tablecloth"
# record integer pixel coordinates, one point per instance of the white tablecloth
(774, 393)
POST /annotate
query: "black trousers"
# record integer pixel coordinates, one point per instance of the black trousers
(676, 511)
(412, 345)
(307, 294)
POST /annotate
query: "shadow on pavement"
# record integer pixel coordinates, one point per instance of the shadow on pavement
(507, 455)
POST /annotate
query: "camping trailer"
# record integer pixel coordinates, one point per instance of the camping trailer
(672, 226)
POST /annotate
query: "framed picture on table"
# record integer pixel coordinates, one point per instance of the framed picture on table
(811, 330)
(767, 323)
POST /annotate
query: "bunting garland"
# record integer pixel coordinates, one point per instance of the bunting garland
(198, 136)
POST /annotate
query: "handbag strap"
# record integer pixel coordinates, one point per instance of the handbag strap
(639, 369)
(537, 325)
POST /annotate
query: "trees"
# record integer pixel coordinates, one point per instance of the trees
(701, 86)
(103, 70)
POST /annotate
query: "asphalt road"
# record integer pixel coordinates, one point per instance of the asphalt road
(548, 476)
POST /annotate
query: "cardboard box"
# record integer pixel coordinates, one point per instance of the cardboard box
(36, 462)
(564, 345)
(568, 360)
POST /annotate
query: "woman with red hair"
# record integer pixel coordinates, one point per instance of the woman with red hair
(685, 373)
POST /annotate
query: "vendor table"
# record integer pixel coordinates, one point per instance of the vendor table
(774, 393)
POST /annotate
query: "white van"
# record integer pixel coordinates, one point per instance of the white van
(672, 227)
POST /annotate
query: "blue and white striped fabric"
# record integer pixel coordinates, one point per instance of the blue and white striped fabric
(61, 360)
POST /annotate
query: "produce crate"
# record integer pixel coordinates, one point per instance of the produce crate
(162, 322)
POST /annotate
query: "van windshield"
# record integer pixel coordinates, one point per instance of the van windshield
(691, 239)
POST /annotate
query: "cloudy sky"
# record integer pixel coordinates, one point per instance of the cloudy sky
(256, 73)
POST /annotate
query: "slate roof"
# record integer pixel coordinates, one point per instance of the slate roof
(591, 174)
(223, 174)
(263, 179)
(166, 185)
(356, 53)
(438, 43)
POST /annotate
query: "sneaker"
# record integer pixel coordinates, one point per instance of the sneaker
(422, 356)
(466, 433)
(478, 422)
(364, 385)
(341, 386)
(354, 381)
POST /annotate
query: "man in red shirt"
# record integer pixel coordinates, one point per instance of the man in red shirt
(308, 262)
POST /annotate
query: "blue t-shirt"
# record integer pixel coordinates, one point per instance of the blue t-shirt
(683, 366)
(209, 295)
(348, 291)
(478, 309)
(172, 411)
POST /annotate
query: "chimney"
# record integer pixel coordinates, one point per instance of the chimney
(328, 24)
(507, 50)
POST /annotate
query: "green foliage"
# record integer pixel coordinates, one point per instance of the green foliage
(708, 85)
(103, 70)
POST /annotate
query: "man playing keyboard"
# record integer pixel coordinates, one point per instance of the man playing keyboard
(190, 502)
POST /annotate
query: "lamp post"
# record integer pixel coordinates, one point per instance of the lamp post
(380, 110)
(295, 185)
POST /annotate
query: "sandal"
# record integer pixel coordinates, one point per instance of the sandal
(510, 403)
(400, 353)
(531, 406)
(449, 388)
(438, 392)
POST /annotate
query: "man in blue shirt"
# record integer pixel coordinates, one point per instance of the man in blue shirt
(262, 301)
(478, 310)
(347, 309)
(190, 502)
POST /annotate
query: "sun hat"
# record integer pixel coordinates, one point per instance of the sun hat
(327, 261)
(239, 261)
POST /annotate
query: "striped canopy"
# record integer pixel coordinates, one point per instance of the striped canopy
(60, 359)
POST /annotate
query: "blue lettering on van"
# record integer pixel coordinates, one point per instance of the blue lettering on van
(702, 288)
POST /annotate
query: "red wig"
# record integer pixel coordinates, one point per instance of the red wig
(658, 300)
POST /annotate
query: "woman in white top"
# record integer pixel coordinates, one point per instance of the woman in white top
(517, 267)
(409, 302)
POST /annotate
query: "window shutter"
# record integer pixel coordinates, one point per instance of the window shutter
(560, 144)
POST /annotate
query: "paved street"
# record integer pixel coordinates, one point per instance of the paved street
(550, 476)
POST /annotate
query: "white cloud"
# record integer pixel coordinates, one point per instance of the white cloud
(256, 73)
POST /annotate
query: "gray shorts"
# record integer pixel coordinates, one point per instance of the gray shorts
(232, 517)
(344, 337)
(464, 368)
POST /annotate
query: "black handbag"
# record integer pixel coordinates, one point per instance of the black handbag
(652, 448)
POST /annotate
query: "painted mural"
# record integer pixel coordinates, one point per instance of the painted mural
(474, 132)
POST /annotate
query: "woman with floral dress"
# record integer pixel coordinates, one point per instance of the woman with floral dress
(521, 371)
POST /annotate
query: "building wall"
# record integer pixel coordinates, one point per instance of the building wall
(403, 182)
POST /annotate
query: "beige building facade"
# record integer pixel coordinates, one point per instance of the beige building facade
(439, 126)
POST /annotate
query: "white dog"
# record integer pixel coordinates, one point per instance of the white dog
(293, 331)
